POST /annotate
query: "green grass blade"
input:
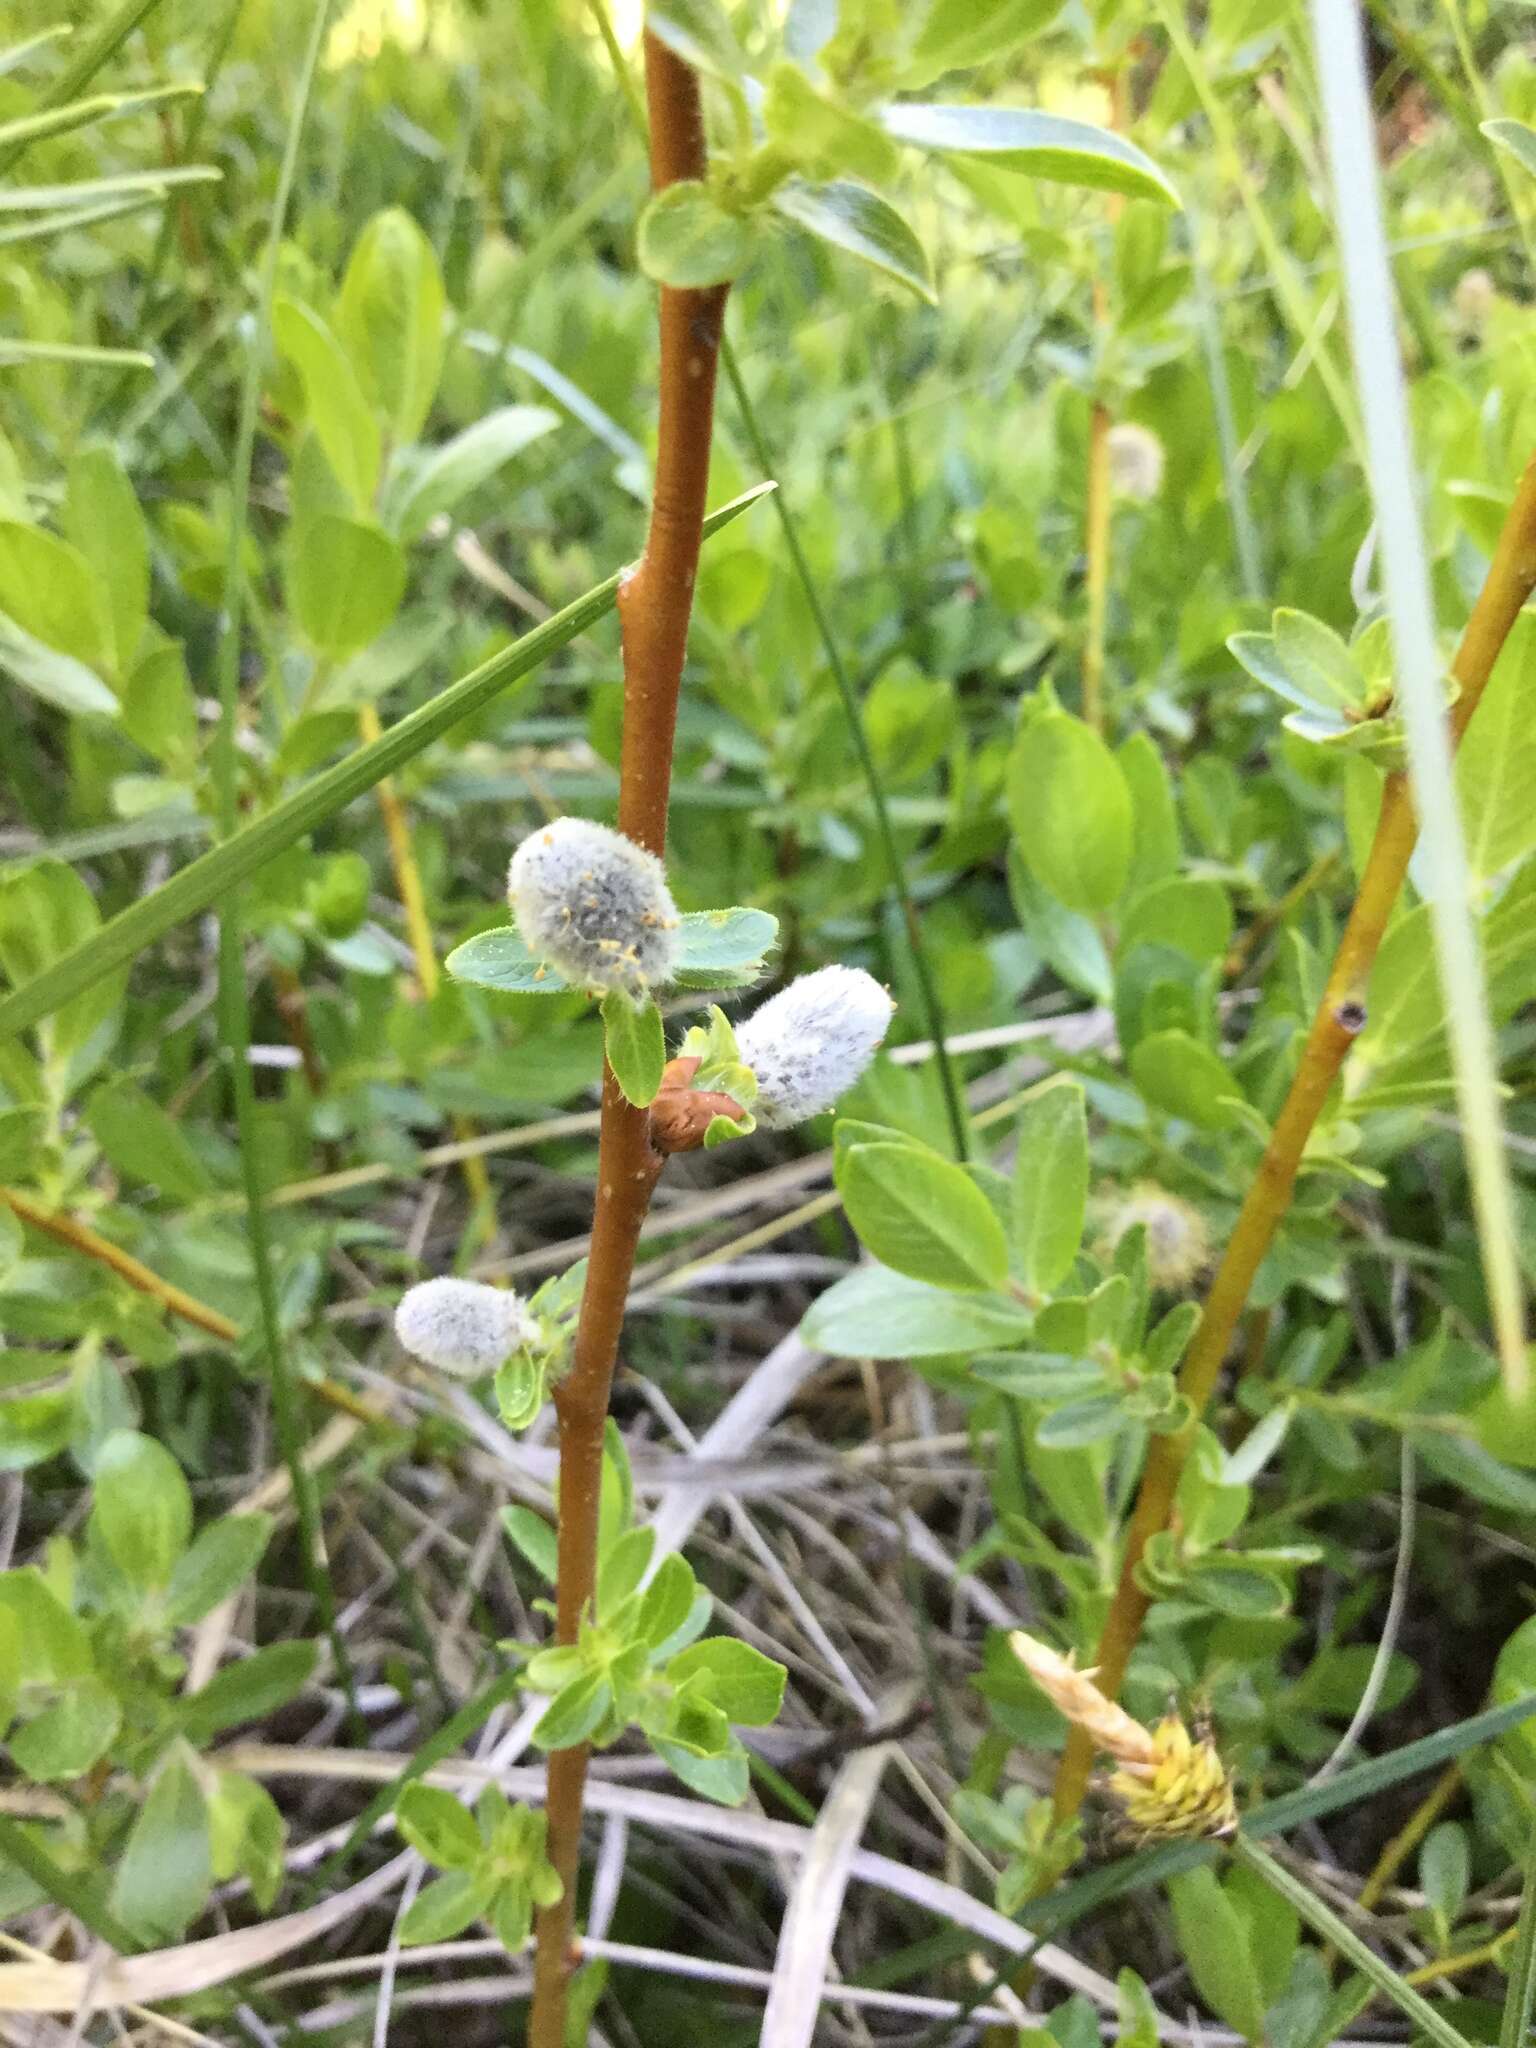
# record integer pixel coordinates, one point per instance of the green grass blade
(1322, 1918)
(1515, 2026)
(65, 1889)
(208, 879)
(1370, 299)
(100, 50)
(234, 1003)
(934, 1017)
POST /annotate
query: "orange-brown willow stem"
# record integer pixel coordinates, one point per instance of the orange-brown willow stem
(1340, 1016)
(655, 603)
(81, 1238)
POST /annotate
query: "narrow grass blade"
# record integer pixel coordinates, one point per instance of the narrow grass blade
(100, 49)
(234, 1004)
(206, 880)
(63, 1886)
(1341, 1936)
(1520, 1996)
(1379, 377)
(921, 967)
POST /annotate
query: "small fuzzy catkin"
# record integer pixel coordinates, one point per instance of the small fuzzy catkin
(595, 906)
(809, 1044)
(463, 1327)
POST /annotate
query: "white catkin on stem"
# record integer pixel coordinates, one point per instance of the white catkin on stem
(809, 1044)
(595, 906)
(463, 1327)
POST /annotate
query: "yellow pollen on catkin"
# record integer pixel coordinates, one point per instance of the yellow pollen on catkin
(1169, 1782)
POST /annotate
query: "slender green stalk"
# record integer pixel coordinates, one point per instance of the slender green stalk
(1420, 686)
(1515, 2026)
(234, 1010)
(75, 1894)
(1426, 2017)
(1245, 535)
(1285, 274)
(73, 79)
(933, 1009)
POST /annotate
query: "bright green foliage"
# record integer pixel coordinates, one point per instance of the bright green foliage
(91, 1683)
(639, 1661)
(494, 1863)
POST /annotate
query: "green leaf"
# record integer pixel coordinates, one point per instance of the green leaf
(1050, 1182)
(1445, 1869)
(860, 222)
(345, 582)
(1190, 913)
(50, 590)
(1179, 1075)
(248, 1690)
(248, 1835)
(159, 710)
(688, 240)
(726, 1778)
(574, 1713)
(165, 1872)
(724, 948)
(444, 1908)
(66, 1739)
(222, 1557)
(746, 1686)
(141, 1508)
(622, 1568)
(1213, 1939)
(636, 1045)
(438, 1828)
(1071, 811)
(21, 1132)
(46, 913)
(102, 518)
(1515, 139)
(498, 959)
(923, 1216)
(1155, 846)
(821, 135)
(1069, 943)
(1496, 762)
(534, 1537)
(54, 678)
(875, 1313)
(390, 317)
(442, 476)
(211, 877)
(143, 1142)
(340, 414)
(666, 1602)
(1514, 1678)
(32, 1426)
(957, 34)
(1043, 145)
(699, 32)
(53, 1646)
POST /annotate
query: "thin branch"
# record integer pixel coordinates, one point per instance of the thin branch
(655, 605)
(1339, 1018)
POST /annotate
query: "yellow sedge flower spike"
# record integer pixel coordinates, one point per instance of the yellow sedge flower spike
(1169, 1783)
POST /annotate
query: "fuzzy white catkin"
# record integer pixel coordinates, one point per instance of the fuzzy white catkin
(810, 1042)
(462, 1326)
(1136, 460)
(594, 905)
